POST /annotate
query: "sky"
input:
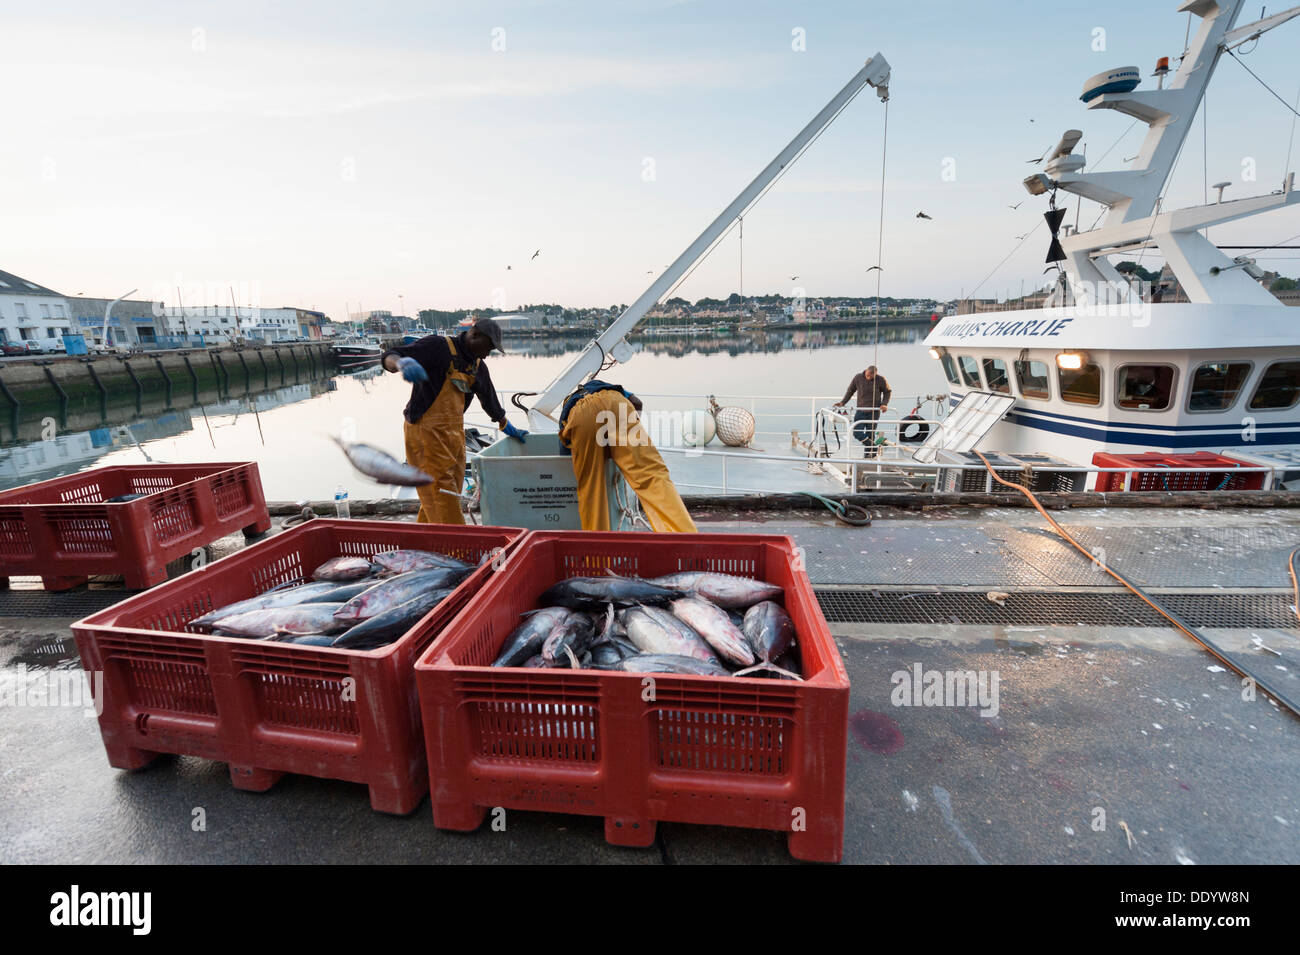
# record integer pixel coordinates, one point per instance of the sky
(400, 155)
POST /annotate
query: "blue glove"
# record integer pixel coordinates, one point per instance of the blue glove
(513, 432)
(412, 370)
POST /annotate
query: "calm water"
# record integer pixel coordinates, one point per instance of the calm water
(288, 436)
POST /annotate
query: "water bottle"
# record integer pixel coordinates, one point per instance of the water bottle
(341, 507)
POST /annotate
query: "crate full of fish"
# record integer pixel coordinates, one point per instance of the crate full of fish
(644, 678)
(293, 655)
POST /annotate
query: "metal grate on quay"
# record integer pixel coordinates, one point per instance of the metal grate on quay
(1119, 609)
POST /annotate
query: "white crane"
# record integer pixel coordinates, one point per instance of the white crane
(611, 341)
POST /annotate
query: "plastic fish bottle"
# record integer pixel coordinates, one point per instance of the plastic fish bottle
(341, 507)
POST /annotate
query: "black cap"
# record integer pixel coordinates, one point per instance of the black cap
(492, 330)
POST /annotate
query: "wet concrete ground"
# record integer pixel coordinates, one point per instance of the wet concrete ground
(1110, 744)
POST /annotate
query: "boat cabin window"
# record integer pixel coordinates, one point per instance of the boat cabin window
(970, 371)
(995, 373)
(1081, 386)
(950, 369)
(1216, 384)
(1279, 388)
(1144, 387)
(1032, 377)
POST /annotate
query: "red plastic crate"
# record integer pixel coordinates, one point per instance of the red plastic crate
(751, 752)
(271, 708)
(1175, 472)
(62, 530)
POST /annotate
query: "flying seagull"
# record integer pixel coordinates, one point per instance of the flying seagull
(874, 267)
(794, 278)
(922, 215)
(1017, 205)
(509, 267)
(536, 254)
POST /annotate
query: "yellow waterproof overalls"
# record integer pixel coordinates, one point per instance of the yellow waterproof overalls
(606, 425)
(436, 445)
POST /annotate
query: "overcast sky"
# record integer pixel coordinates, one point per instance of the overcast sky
(325, 153)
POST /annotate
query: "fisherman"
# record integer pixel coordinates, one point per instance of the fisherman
(872, 398)
(600, 422)
(445, 374)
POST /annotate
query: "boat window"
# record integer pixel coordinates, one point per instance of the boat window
(949, 369)
(1144, 387)
(1279, 388)
(995, 373)
(1082, 386)
(970, 371)
(1216, 384)
(1032, 378)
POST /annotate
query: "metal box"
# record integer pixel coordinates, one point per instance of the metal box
(532, 485)
(1009, 467)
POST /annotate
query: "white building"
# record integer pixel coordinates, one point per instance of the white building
(30, 311)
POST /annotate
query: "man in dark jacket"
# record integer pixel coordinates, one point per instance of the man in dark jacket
(446, 374)
(872, 397)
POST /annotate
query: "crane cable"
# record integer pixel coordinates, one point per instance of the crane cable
(1179, 624)
(880, 238)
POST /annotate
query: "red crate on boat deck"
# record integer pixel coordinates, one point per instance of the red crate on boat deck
(750, 752)
(270, 708)
(1174, 472)
(64, 530)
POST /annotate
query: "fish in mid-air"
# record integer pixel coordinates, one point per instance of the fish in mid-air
(381, 466)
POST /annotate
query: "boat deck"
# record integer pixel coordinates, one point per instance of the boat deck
(1099, 708)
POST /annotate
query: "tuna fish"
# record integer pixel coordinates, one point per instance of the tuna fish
(398, 590)
(527, 639)
(652, 630)
(770, 633)
(671, 663)
(728, 592)
(589, 593)
(288, 597)
(384, 628)
(340, 593)
(382, 467)
(401, 561)
(569, 640)
(712, 623)
(341, 569)
(295, 621)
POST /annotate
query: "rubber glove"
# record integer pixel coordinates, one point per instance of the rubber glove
(412, 370)
(513, 432)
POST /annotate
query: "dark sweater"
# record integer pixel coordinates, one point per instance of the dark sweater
(435, 357)
(871, 394)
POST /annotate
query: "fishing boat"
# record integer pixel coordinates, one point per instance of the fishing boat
(357, 352)
(1111, 366)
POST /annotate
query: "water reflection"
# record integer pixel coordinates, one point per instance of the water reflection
(668, 340)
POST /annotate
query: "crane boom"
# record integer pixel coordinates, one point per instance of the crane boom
(611, 341)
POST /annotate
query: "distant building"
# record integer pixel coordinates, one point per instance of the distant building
(132, 321)
(31, 312)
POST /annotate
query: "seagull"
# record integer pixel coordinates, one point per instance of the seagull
(1021, 238)
(922, 215)
(536, 254)
(874, 267)
(794, 278)
(1017, 205)
(509, 267)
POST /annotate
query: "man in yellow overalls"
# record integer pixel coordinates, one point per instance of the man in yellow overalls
(600, 422)
(446, 374)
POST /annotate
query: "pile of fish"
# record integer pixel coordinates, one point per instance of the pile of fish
(693, 622)
(354, 603)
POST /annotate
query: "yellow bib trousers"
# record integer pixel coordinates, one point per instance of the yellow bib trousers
(605, 425)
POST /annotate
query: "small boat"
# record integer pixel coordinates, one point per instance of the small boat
(357, 353)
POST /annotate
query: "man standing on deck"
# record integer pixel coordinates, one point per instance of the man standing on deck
(872, 398)
(600, 422)
(445, 374)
